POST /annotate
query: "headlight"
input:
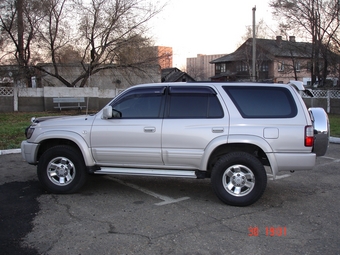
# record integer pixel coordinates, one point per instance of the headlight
(29, 132)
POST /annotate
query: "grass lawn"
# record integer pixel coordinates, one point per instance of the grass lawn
(13, 126)
(334, 121)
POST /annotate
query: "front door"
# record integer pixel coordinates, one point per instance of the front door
(135, 137)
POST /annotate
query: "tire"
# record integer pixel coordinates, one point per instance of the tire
(61, 169)
(238, 179)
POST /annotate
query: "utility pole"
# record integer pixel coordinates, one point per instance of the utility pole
(254, 48)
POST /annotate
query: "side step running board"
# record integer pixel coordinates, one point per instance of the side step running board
(147, 172)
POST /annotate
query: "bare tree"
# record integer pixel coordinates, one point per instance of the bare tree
(263, 30)
(107, 29)
(98, 33)
(195, 69)
(316, 20)
(68, 55)
(18, 22)
(55, 35)
(110, 27)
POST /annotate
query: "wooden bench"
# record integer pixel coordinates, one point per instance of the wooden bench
(69, 103)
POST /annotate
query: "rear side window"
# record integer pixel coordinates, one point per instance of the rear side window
(191, 102)
(262, 102)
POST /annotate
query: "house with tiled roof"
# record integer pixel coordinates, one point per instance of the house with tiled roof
(175, 75)
(276, 61)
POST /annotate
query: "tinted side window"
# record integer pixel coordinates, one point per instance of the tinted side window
(188, 103)
(141, 103)
(262, 102)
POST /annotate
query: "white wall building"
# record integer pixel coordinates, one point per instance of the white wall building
(200, 68)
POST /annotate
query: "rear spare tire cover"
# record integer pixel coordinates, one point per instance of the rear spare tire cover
(321, 130)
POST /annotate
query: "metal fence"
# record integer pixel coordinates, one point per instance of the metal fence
(323, 94)
(6, 92)
(41, 99)
(329, 98)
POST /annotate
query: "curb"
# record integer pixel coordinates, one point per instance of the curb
(334, 139)
(5, 152)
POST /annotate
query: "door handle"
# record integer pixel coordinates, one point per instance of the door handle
(217, 129)
(149, 129)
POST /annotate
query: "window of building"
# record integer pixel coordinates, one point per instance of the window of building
(264, 67)
(309, 66)
(217, 68)
(242, 67)
(223, 67)
(297, 66)
(281, 66)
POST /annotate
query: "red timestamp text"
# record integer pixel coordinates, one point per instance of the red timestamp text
(269, 231)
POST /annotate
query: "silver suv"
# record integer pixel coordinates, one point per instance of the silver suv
(227, 132)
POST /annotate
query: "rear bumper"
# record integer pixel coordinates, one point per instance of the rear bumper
(291, 162)
(295, 161)
(29, 152)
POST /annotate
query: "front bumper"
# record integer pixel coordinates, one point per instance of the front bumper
(29, 152)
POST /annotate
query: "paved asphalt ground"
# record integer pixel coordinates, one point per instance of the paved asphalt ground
(298, 214)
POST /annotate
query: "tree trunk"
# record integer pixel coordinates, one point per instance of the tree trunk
(20, 26)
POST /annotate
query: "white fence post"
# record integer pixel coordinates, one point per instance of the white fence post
(328, 101)
(15, 99)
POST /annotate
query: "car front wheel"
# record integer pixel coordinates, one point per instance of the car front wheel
(238, 179)
(61, 169)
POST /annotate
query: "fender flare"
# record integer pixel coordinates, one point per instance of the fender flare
(243, 139)
(72, 136)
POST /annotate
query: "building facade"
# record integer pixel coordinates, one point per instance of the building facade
(200, 68)
(276, 61)
(165, 56)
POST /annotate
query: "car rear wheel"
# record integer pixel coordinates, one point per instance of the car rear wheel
(238, 179)
(61, 169)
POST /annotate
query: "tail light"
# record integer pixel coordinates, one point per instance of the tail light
(309, 136)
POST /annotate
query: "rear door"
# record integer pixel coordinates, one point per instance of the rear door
(193, 118)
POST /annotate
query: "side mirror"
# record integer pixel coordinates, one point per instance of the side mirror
(107, 113)
(116, 114)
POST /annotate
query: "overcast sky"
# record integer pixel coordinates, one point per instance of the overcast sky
(194, 27)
